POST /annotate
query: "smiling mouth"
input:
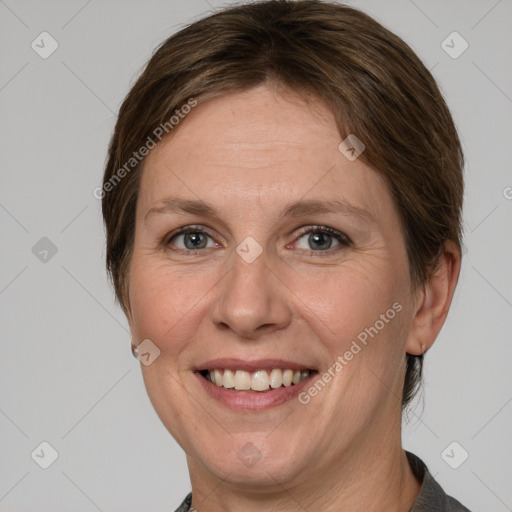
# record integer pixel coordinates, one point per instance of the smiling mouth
(260, 380)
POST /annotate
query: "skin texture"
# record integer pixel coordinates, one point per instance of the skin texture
(248, 155)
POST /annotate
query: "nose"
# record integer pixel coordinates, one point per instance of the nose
(252, 300)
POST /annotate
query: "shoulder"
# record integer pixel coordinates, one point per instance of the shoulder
(431, 498)
(185, 506)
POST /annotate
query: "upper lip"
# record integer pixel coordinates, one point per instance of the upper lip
(228, 363)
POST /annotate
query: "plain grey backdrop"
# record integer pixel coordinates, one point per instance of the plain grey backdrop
(68, 377)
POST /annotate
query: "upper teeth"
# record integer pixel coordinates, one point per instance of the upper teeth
(258, 381)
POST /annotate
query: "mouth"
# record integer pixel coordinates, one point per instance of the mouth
(261, 381)
(253, 385)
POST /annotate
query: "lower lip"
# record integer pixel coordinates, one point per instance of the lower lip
(252, 400)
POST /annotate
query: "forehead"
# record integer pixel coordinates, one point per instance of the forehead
(261, 148)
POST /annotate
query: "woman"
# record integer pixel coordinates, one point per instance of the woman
(282, 202)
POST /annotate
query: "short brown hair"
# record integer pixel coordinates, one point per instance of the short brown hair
(373, 82)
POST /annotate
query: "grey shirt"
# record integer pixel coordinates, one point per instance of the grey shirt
(431, 498)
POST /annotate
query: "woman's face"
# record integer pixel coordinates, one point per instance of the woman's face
(261, 280)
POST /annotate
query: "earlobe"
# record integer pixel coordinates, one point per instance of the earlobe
(434, 301)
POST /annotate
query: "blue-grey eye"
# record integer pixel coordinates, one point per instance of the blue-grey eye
(320, 239)
(191, 240)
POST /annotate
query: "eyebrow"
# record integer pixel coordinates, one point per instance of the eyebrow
(296, 209)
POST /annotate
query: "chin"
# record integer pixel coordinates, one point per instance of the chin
(250, 459)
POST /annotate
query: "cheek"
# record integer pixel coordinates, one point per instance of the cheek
(165, 304)
(360, 317)
(342, 304)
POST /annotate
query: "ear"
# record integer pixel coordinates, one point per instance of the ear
(434, 300)
(126, 307)
(125, 303)
(134, 341)
(128, 313)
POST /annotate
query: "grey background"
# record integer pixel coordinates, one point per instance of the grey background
(67, 373)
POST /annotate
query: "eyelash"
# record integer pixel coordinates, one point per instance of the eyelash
(343, 239)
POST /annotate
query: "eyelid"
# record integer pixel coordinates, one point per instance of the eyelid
(186, 229)
(341, 237)
(192, 228)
